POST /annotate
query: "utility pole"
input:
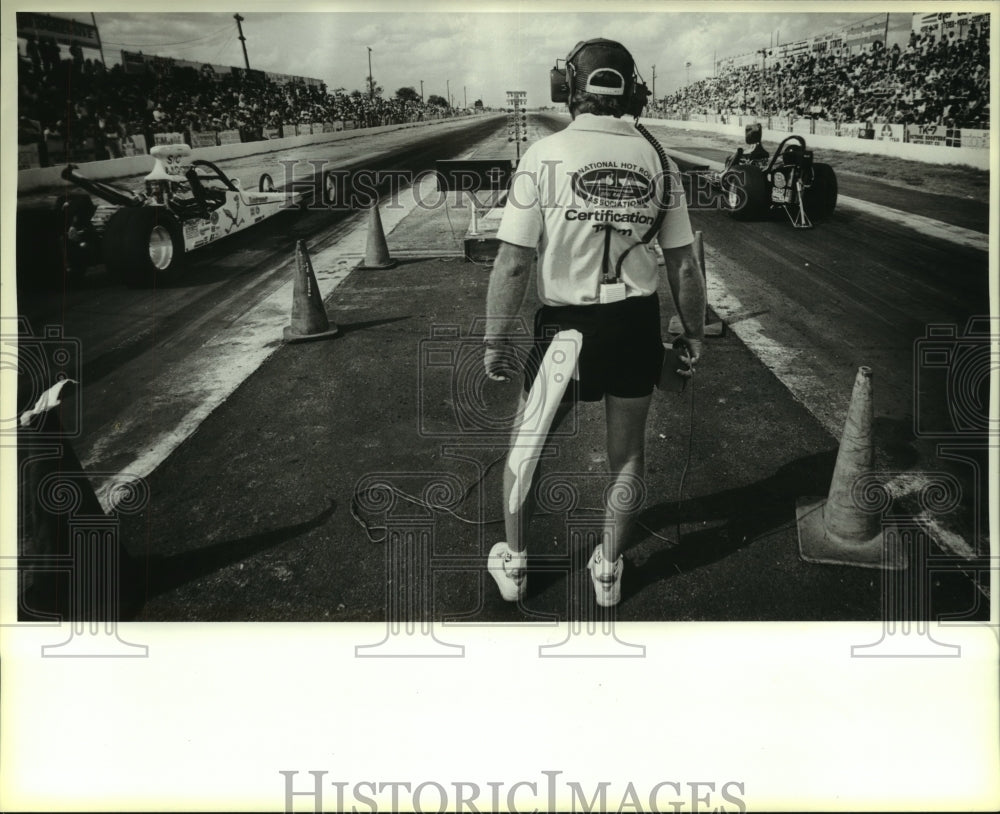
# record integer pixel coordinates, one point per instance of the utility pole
(243, 40)
(421, 91)
(371, 79)
(448, 83)
(760, 85)
(654, 83)
(465, 96)
(687, 69)
(93, 20)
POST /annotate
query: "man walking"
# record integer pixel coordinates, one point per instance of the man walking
(588, 201)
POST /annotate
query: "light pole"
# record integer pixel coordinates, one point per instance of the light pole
(242, 39)
(371, 80)
(760, 91)
(97, 31)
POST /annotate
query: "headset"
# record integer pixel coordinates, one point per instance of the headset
(579, 77)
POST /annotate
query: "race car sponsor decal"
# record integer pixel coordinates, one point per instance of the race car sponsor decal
(236, 220)
(197, 233)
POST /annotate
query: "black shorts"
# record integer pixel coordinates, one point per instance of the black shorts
(622, 351)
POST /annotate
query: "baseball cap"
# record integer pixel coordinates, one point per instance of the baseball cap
(601, 66)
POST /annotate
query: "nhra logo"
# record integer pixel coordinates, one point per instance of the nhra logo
(617, 184)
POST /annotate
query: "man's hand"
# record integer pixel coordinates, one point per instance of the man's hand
(689, 352)
(501, 360)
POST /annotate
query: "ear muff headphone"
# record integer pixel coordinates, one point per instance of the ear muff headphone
(602, 67)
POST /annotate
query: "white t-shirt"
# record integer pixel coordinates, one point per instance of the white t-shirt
(599, 170)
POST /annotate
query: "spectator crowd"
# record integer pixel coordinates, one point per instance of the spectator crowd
(935, 79)
(943, 80)
(76, 100)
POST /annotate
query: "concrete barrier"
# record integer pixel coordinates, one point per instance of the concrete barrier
(927, 153)
(168, 138)
(134, 145)
(39, 178)
(204, 139)
(27, 156)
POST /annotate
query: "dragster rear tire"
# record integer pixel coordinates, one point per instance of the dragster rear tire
(744, 193)
(820, 197)
(46, 256)
(143, 245)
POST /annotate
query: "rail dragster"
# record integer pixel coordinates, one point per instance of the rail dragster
(144, 237)
(755, 184)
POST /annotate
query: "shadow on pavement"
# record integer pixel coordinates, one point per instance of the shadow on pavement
(164, 574)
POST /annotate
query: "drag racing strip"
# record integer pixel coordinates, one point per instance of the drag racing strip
(928, 226)
(213, 371)
(793, 362)
(169, 407)
(790, 360)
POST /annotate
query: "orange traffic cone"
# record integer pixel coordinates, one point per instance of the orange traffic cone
(376, 250)
(845, 528)
(716, 328)
(309, 319)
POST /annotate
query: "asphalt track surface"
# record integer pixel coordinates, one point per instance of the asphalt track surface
(117, 325)
(251, 517)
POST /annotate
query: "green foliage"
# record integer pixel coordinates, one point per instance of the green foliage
(407, 95)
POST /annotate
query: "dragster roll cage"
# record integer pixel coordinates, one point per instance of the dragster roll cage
(781, 149)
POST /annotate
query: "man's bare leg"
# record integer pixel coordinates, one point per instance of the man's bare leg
(516, 522)
(626, 422)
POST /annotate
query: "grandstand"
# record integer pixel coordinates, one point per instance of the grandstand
(940, 76)
(77, 109)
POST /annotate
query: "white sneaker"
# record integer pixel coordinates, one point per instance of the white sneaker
(607, 578)
(508, 569)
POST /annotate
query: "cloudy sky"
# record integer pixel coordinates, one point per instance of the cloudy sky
(512, 46)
